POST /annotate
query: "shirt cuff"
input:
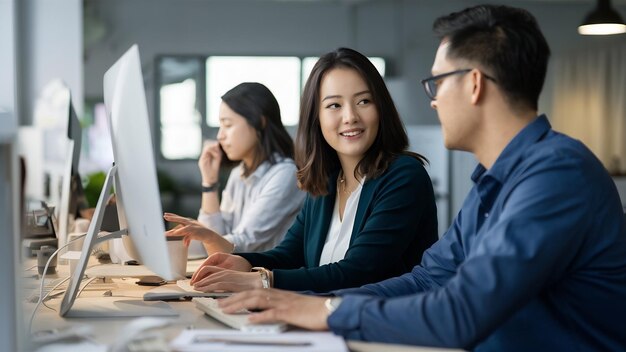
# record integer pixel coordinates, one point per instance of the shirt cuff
(232, 239)
(213, 221)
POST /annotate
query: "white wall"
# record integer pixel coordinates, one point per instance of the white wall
(50, 46)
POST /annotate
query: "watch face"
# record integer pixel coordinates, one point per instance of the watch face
(335, 302)
(265, 280)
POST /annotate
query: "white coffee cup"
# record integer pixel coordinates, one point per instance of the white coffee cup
(178, 255)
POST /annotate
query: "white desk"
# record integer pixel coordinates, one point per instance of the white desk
(108, 329)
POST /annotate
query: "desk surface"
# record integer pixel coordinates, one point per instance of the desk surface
(108, 329)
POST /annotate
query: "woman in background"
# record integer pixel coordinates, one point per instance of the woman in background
(370, 211)
(261, 197)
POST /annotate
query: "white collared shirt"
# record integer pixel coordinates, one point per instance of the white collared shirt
(256, 211)
(340, 232)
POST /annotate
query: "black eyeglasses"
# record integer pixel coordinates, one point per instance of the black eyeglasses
(430, 83)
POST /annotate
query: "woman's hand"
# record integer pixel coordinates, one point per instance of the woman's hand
(223, 261)
(308, 312)
(191, 229)
(220, 279)
(209, 162)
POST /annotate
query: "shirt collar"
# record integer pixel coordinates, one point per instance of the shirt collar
(257, 174)
(261, 170)
(505, 163)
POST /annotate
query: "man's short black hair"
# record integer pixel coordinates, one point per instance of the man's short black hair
(506, 42)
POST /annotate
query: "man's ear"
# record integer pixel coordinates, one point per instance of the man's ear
(478, 88)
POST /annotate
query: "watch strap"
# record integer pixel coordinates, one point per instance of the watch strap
(210, 188)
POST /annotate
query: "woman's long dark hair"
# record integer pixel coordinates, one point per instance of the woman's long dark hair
(256, 103)
(315, 158)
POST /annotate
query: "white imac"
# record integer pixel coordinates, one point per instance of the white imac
(71, 187)
(136, 189)
(51, 149)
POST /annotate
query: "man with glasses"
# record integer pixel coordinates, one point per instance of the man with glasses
(536, 258)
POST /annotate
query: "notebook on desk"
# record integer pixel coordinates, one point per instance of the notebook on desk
(238, 320)
(182, 289)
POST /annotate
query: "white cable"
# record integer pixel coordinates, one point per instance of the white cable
(43, 301)
(85, 285)
(61, 282)
(43, 278)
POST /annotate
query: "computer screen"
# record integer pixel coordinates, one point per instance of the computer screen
(75, 133)
(72, 195)
(51, 148)
(134, 175)
(44, 143)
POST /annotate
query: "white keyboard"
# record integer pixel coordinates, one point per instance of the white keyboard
(236, 321)
(186, 285)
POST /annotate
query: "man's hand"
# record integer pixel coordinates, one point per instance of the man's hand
(308, 312)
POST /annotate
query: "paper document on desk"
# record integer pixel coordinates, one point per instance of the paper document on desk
(229, 340)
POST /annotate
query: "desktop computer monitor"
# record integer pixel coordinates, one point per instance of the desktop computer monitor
(75, 133)
(71, 188)
(134, 175)
(44, 143)
(51, 148)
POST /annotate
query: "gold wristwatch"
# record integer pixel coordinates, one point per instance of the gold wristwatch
(265, 276)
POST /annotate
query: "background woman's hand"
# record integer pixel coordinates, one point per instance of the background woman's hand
(223, 261)
(191, 229)
(209, 162)
(308, 312)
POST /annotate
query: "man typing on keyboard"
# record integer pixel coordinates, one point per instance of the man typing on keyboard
(535, 259)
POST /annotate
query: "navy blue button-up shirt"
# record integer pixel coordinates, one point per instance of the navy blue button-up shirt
(535, 260)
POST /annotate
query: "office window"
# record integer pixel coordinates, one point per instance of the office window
(189, 90)
(179, 107)
(280, 74)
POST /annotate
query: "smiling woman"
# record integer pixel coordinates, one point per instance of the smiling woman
(370, 211)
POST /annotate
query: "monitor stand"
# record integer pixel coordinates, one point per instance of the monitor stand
(104, 306)
(95, 307)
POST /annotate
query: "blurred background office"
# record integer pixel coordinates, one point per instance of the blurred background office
(193, 50)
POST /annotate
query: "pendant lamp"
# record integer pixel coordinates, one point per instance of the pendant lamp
(603, 20)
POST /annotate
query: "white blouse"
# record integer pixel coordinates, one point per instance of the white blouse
(340, 232)
(256, 211)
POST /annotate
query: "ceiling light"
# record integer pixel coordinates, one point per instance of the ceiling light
(603, 20)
